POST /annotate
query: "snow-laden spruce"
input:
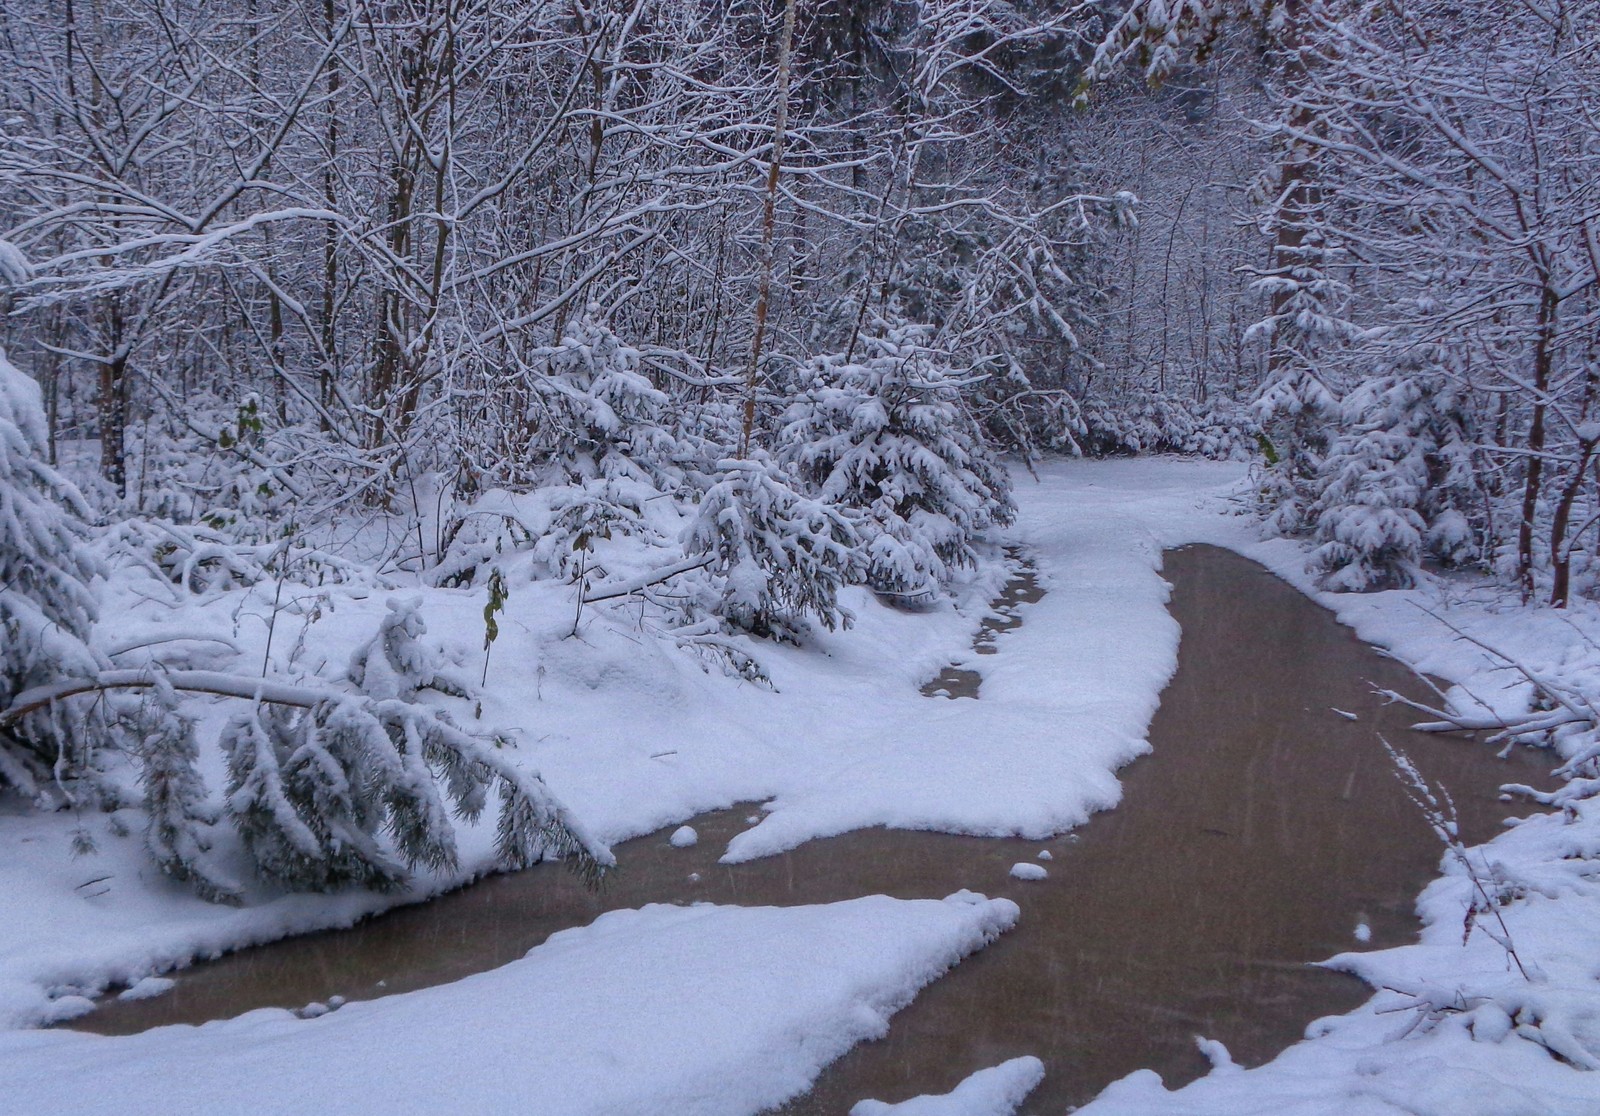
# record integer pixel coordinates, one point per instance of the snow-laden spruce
(336, 789)
(1306, 328)
(776, 556)
(595, 416)
(889, 437)
(1397, 482)
(326, 786)
(46, 604)
(601, 446)
(1295, 409)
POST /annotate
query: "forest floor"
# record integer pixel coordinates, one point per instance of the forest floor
(720, 1009)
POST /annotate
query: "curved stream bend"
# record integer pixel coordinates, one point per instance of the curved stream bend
(1263, 828)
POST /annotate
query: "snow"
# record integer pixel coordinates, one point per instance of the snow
(996, 1091)
(634, 734)
(1026, 871)
(1451, 1032)
(146, 988)
(1045, 854)
(1217, 1054)
(696, 1011)
(684, 837)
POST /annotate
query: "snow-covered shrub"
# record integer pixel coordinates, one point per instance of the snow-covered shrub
(596, 416)
(212, 464)
(1396, 482)
(46, 606)
(1154, 422)
(397, 663)
(889, 437)
(178, 812)
(556, 526)
(332, 790)
(601, 448)
(776, 554)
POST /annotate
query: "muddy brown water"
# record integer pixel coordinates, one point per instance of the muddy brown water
(1005, 614)
(1253, 840)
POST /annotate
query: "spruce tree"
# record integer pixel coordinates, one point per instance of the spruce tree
(777, 555)
(46, 605)
(889, 438)
(1396, 483)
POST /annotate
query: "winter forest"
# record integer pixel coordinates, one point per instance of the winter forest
(439, 437)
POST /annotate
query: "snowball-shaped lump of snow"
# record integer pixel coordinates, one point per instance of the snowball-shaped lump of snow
(147, 987)
(683, 837)
(1026, 871)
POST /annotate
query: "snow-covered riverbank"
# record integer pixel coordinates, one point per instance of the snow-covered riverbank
(634, 734)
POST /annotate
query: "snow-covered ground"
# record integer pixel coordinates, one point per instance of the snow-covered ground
(634, 734)
(663, 1009)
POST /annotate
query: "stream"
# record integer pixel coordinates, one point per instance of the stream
(1263, 829)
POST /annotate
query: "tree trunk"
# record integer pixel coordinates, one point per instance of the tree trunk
(1542, 361)
(768, 224)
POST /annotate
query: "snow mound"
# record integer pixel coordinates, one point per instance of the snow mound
(147, 988)
(684, 837)
(996, 1091)
(1025, 871)
(696, 1011)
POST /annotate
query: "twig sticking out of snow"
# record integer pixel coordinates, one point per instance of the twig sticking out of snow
(1439, 810)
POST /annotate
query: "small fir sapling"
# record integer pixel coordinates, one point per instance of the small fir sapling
(1295, 411)
(777, 555)
(304, 793)
(1296, 407)
(597, 415)
(602, 445)
(889, 438)
(345, 790)
(177, 808)
(1396, 482)
(397, 663)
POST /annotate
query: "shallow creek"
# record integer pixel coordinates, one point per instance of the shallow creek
(1262, 830)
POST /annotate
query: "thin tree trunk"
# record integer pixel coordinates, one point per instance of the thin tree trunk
(768, 223)
(1542, 361)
